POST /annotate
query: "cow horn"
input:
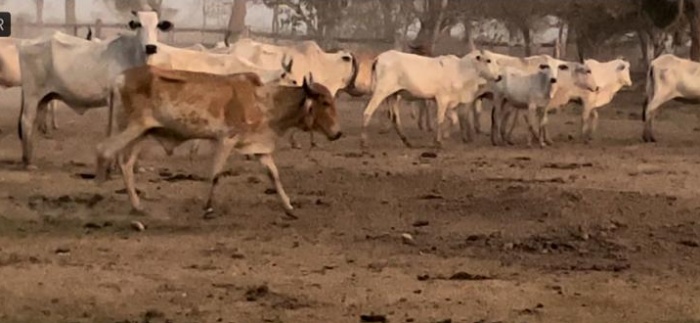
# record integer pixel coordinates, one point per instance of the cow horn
(287, 66)
(305, 86)
(226, 36)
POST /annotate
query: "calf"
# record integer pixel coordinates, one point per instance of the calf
(236, 111)
(523, 89)
(575, 82)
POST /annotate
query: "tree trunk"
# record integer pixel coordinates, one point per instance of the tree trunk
(694, 20)
(527, 40)
(469, 36)
(236, 22)
(647, 46)
(430, 24)
(389, 22)
(70, 13)
(39, 11)
(561, 41)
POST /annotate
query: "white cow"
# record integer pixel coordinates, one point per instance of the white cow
(10, 76)
(223, 64)
(448, 80)
(669, 78)
(575, 81)
(523, 89)
(77, 71)
(611, 77)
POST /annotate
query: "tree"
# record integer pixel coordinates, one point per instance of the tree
(39, 11)
(70, 12)
(432, 20)
(236, 22)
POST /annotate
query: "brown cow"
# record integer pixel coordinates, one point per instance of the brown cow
(236, 111)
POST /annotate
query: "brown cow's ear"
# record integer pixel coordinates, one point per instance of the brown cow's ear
(308, 113)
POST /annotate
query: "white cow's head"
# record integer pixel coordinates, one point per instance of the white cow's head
(623, 72)
(577, 75)
(346, 67)
(146, 26)
(486, 65)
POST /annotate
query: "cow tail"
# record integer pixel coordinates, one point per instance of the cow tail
(110, 113)
(21, 112)
(649, 91)
(373, 79)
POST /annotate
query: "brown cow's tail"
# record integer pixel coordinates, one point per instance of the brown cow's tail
(649, 91)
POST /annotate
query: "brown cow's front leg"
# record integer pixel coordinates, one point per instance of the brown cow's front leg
(273, 174)
(223, 149)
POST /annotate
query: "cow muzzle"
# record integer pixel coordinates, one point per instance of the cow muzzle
(151, 49)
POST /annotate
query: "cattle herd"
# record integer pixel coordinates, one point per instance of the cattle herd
(242, 96)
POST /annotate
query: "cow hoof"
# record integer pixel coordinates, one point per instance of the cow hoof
(291, 214)
(139, 211)
(209, 214)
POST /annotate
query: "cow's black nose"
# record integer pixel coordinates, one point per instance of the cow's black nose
(553, 80)
(499, 78)
(151, 49)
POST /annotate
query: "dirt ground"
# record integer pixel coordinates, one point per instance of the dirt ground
(606, 232)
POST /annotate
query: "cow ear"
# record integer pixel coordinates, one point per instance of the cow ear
(133, 25)
(563, 67)
(305, 86)
(165, 25)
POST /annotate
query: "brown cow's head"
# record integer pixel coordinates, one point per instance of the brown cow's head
(319, 110)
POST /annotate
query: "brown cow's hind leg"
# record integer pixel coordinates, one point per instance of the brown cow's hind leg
(224, 146)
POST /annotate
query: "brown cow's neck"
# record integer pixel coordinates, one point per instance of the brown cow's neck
(287, 108)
